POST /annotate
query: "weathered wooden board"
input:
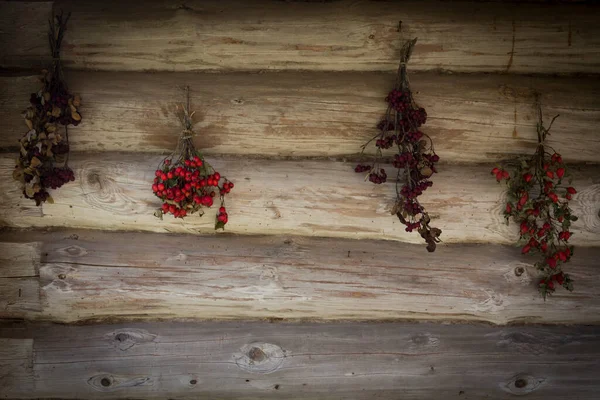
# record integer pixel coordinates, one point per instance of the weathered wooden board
(340, 35)
(19, 279)
(95, 275)
(16, 363)
(309, 361)
(24, 33)
(314, 198)
(471, 117)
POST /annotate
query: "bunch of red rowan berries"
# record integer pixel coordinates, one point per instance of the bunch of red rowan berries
(538, 201)
(186, 183)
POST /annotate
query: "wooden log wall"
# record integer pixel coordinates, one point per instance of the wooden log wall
(285, 93)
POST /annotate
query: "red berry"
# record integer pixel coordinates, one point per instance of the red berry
(560, 172)
(528, 177)
(571, 190)
(222, 210)
(161, 186)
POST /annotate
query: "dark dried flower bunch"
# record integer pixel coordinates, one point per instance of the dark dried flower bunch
(43, 158)
(538, 201)
(415, 158)
(185, 182)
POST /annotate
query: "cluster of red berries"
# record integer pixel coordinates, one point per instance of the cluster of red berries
(188, 185)
(378, 177)
(57, 177)
(415, 156)
(539, 203)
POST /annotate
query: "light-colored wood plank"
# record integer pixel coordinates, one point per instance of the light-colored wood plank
(314, 361)
(19, 260)
(341, 35)
(471, 117)
(24, 34)
(19, 297)
(95, 275)
(314, 198)
(19, 278)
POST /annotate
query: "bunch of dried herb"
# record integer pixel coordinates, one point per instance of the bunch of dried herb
(43, 160)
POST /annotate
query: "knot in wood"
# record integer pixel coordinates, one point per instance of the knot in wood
(260, 358)
(124, 339)
(121, 337)
(257, 354)
(522, 384)
(519, 271)
(106, 382)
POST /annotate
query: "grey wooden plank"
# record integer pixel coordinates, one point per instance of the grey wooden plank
(323, 35)
(256, 360)
(93, 275)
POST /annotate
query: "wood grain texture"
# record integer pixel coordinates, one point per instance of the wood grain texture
(471, 117)
(16, 364)
(314, 361)
(98, 276)
(19, 279)
(339, 35)
(24, 34)
(314, 198)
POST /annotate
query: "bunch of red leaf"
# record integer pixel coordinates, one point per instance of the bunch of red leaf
(538, 201)
(415, 158)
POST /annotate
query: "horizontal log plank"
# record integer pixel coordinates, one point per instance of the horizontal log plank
(471, 117)
(24, 34)
(99, 276)
(315, 198)
(308, 361)
(341, 35)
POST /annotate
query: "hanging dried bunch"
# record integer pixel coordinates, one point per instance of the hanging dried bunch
(415, 158)
(43, 159)
(185, 182)
(538, 201)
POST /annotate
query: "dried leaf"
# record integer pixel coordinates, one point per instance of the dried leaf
(18, 175)
(47, 96)
(158, 214)
(35, 161)
(50, 127)
(426, 172)
(76, 116)
(73, 108)
(49, 200)
(76, 100)
(29, 191)
(29, 123)
(56, 112)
